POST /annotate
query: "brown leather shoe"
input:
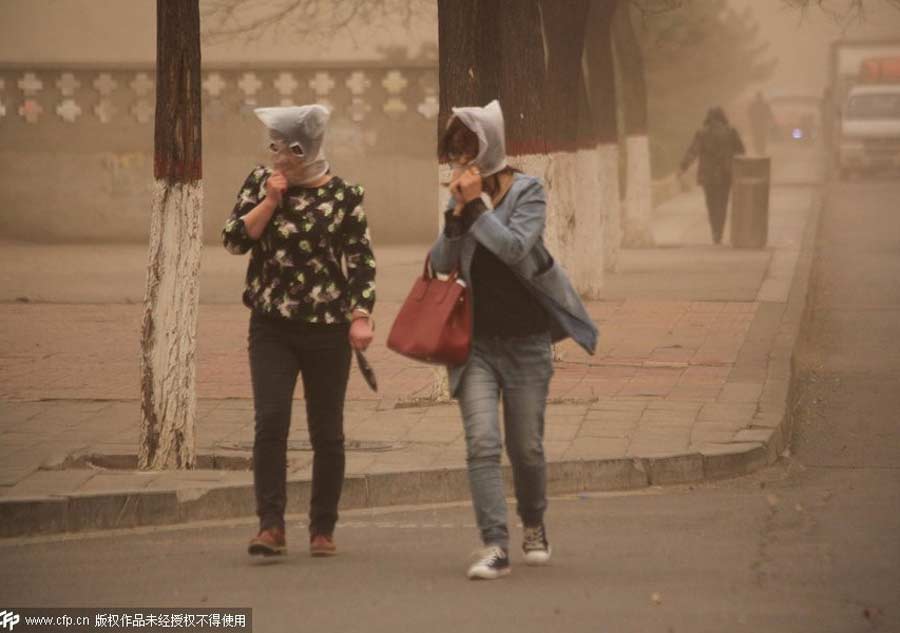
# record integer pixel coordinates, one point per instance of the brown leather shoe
(269, 542)
(322, 545)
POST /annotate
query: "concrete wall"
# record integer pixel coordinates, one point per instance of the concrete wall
(76, 163)
(76, 144)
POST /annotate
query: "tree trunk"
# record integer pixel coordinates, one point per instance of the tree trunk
(559, 126)
(168, 399)
(634, 143)
(600, 72)
(492, 49)
(568, 162)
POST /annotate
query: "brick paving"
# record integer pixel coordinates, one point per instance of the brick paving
(671, 374)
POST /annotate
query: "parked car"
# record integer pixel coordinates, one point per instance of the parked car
(796, 118)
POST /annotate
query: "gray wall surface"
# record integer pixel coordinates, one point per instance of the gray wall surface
(76, 144)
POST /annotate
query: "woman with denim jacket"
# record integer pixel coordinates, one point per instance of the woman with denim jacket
(303, 226)
(522, 301)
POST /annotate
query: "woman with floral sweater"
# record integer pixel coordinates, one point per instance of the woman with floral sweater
(301, 225)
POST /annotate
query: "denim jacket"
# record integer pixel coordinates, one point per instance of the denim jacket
(513, 232)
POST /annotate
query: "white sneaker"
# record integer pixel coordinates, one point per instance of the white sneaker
(537, 549)
(492, 563)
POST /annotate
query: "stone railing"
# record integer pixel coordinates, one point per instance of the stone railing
(88, 130)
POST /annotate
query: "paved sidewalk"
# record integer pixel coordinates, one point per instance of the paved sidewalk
(690, 381)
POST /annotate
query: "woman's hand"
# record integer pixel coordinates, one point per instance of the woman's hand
(466, 186)
(276, 185)
(361, 332)
(256, 220)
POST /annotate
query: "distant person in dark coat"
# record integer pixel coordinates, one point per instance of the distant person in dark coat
(715, 145)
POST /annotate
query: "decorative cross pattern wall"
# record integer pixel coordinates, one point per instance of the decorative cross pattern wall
(126, 96)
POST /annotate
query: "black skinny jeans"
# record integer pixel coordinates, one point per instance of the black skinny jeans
(717, 206)
(279, 350)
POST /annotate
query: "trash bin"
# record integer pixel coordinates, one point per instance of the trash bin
(750, 202)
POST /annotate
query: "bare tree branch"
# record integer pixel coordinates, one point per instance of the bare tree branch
(656, 7)
(843, 12)
(320, 20)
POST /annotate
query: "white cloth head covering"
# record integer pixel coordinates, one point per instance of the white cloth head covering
(487, 124)
(304, 125)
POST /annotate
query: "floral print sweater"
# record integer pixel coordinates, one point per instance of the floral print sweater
(295, 268)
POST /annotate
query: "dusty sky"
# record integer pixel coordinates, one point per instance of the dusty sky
(800, 41)
(123, 31)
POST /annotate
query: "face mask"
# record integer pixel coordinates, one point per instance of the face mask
(288, 158)
(296, 137)
(487, 124)
(456, 169)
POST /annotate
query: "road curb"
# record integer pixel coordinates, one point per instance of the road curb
(751, 449)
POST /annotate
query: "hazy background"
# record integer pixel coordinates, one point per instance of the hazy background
(111, 30)
(799, 40)
(709, 52)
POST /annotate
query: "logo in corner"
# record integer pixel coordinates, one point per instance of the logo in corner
(8, 619)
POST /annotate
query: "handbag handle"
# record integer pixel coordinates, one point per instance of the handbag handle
(454, 274)
(426, 277)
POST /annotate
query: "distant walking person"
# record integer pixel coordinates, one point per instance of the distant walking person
(303, 226)
(715, 145)
(522, 301)
(761, 120)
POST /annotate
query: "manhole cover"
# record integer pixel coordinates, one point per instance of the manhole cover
(356, 446)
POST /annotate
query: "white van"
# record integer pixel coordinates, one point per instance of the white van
(870, 129)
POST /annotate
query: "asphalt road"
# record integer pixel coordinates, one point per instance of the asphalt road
(811, 544)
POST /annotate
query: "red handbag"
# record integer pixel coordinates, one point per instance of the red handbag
(434, 324)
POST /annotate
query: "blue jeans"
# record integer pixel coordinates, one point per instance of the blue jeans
(519, 369)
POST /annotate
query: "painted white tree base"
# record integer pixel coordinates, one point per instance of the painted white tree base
(168, 398)
(608, 174)
(582, 210)
(440, 385)
(584, 227)
(638, 231)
